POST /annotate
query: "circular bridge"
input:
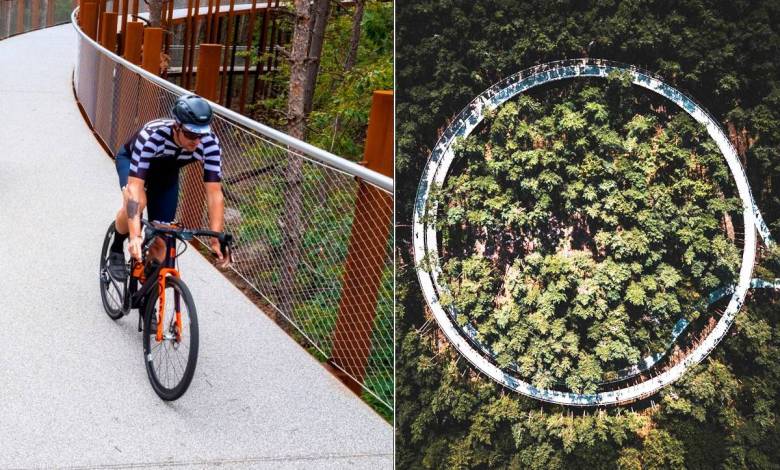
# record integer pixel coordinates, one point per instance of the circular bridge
(465, 338)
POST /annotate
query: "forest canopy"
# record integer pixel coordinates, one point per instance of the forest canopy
(581, 225)
(724, 412)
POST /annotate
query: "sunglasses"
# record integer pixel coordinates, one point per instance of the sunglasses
(191, 135)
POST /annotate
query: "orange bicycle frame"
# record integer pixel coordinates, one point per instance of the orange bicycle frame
(164, 272)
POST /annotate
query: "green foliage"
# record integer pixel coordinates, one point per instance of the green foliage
(328, 206)
(576, 235)
(342, 99)
(723, 413)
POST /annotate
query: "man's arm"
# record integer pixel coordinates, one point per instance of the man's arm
(216, 204)
(135, 201)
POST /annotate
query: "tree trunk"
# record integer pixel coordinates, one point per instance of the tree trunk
(155, 12)
(319, 20)
(354, 39)
(298, 68)
(291, 224)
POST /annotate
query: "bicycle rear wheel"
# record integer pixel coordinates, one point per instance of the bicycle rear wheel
(170, 363)
(112, 292)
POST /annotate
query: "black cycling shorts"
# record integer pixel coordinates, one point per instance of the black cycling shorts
(162, 186)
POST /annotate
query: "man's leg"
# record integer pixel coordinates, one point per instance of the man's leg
(116, 258)
(162, 195)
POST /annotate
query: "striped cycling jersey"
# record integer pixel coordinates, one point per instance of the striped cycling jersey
(154, 142)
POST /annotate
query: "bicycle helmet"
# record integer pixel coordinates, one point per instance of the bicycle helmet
(193, 113)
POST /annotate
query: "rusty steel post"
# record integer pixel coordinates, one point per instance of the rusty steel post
(123, 27)
(104, 109)
(215, 26)
(367, 250)
(186, 46)
(207, 77)
(88, 18)
(230, 78)
(169, 26)
(35, 14)
(19, 16)
(262, 49)
(208, 21)
(228, 44)
(133, 40)
(101, 8)
(150, 95)
(50, 7)
(108, 39)
(152, 47)
(193, 193)
(3, 12)
(194, 36)
(129, 84)
(249, 35)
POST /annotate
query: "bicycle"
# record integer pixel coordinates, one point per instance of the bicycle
(170, 336)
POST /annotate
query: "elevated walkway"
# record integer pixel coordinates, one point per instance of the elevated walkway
(74, 388)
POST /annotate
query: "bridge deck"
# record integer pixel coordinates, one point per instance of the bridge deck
(74, 390)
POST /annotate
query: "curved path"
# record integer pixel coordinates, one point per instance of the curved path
(466, 339)
(73, 388)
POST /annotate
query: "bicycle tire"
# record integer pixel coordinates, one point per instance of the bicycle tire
(106, 283)
(157, 355)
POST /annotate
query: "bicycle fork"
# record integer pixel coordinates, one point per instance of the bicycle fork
(164, 272)
(169, 269)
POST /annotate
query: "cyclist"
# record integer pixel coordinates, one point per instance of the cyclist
(148, 167)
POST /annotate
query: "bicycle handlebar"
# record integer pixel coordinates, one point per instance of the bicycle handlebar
(150, 231)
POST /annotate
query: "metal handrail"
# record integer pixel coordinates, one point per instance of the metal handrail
(377, 179)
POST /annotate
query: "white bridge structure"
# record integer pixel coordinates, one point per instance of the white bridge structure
(466, 339)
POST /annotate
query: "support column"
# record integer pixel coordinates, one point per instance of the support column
(35, 14)
(104, 111)
(193, 203)
(19, 16)
(152, 47)
(133, 41)
(367, 255)
(129, 82)
(50, 7)
(149, 95)
(88, 18)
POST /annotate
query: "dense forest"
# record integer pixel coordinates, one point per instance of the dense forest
(579, 222)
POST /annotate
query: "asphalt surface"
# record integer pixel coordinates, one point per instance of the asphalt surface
(73, 388)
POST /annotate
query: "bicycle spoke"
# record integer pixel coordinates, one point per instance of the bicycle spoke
(172, 361)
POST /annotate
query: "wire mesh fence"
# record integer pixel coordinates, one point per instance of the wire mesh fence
(21, 16)
(313, 238)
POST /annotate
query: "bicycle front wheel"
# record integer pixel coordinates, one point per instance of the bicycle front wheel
(170, 362)
(112, 292)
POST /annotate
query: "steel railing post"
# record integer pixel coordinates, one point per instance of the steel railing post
(19, 16)
(367, 255)
(128, 83)
(88, 18)
(133, 40)
(206, 80)
(152, 47)
(35, 14)
(104, 110)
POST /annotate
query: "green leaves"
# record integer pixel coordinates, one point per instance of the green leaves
(661, 167)
(573, 248)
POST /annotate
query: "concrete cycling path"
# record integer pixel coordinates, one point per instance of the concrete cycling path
(73, 388)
